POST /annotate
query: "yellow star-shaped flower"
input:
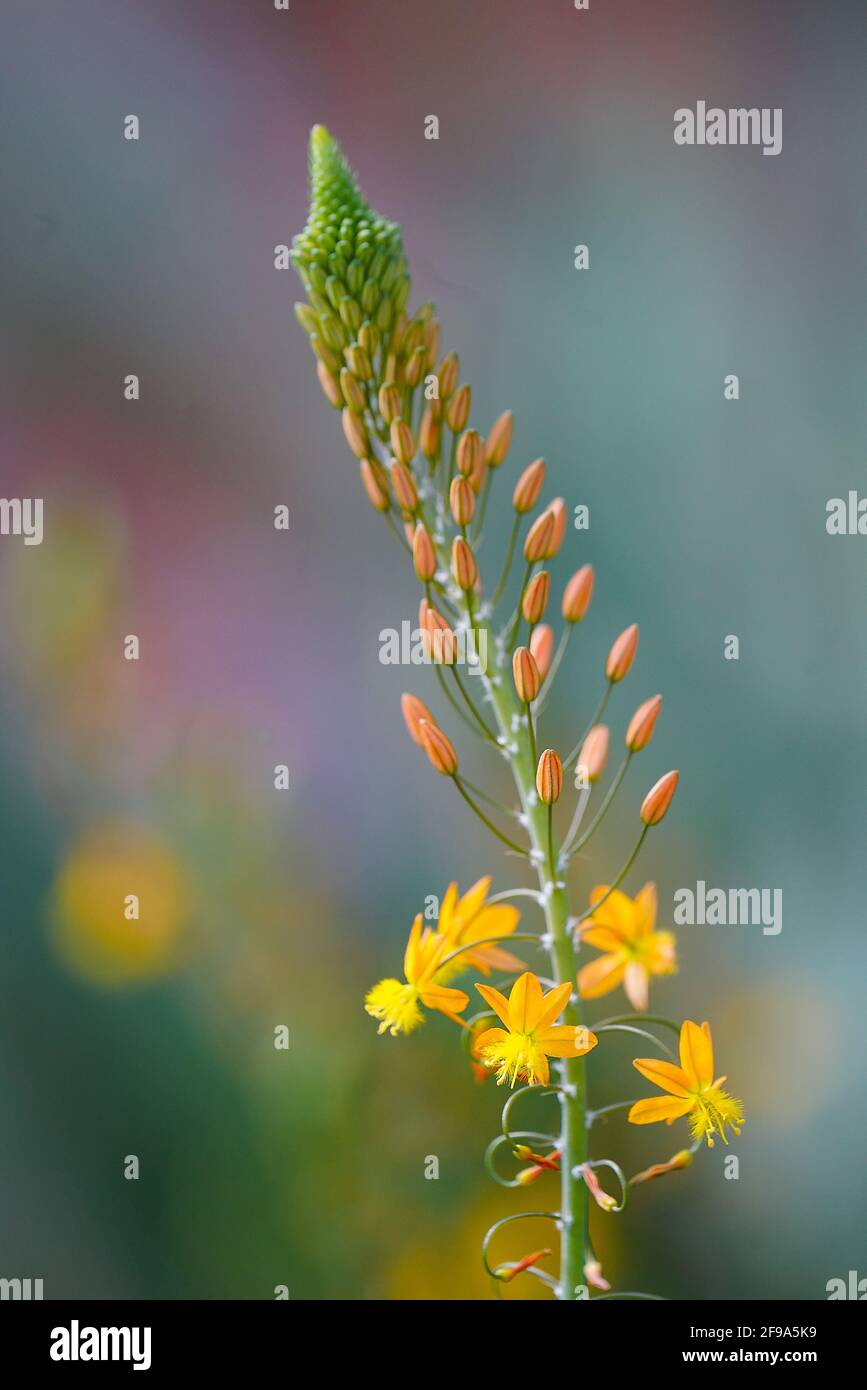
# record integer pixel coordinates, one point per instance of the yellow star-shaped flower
(691, 1087)
(522, 1048)
(623, 928)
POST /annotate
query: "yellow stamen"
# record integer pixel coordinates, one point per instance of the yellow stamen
(396, 1005)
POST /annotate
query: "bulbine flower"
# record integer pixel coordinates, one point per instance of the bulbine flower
(521, 1049)
(623, 928)
(398, 1006)
(691, 1087)
(463, 921)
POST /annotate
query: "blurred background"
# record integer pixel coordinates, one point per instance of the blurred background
(262, 908)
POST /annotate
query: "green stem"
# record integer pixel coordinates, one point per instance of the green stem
(482, 817)
(600, 710)
(597, 819)
(498, 592)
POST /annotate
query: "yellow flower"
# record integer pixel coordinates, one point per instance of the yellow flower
(398, 1005)
(622, 927)
(691, 1088)
(465, 920)
(523, 1047)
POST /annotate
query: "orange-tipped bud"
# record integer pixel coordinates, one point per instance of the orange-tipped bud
(622, 654)
(424, 557)
(542, 647)
(659, 1170)
(538, 542)
(402, 441)
(506, 1273)
(352, 392)
(356, 434)
(413, 337)
(464, 566)
(413, 712)
(389, 402)
(447, 376)
(594, 753)
(658, 799)
(478, 475)
(535, 599)
(500, 438)
(549, 777)
(528, 487)
(404, 487)
(328, 382)
(578, 593)
(358, 361)
(438, 747)
(602, 1198)
(439, 641)
(431, 341)
(462, 501)
(458, 409)
(470, 452)
(642, 724)
(558, 511)
(414, 369)
(549, 1163)
(528, 681)
(375, 483)
(429, 434)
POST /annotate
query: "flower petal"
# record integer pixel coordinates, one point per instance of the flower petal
(617, 911)
(410, 959)
(600, 976)
(525, 1003)
(664, 1074)
(452, 1001)
(696, 1053)
(635, 982)
(491, 921)
(646, 907)
(473, 900)
(553, 1005)
(496, 1001)
(486, 958)
(567, 1041)
(647, 1112)
(447, 908)
(602, 937)
(492, 1037)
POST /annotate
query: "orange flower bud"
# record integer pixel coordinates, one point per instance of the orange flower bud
(375, 483)
(477, 477)
(404, 487)
(462, 501)
(464, 566)
(593, 1275)
(549, 777)
(528, 681)
(458, 409)
(528, 487)
(356, 434)
(498, 441)
(424, 556)
(558, 511)
(439, 749)
(440, 642)
(429, 434)
(542, 647)
(578, 593)
(413, 712)
(447, 375)
(602, 1198)
(329, 385)
(658, 799)
(358, 361)
(431, 341)
(535, 599)
(594, 753)
(506, 1273)
(414, 369)
(412, 338)
(541, 1165)
(352, 392)
(537, 544)
(402, 441)
(659, 1170)
(469, 452)
(389, 402)
(622, 654)
(642, 724)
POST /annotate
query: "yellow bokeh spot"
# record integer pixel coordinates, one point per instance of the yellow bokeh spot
(95, 930)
